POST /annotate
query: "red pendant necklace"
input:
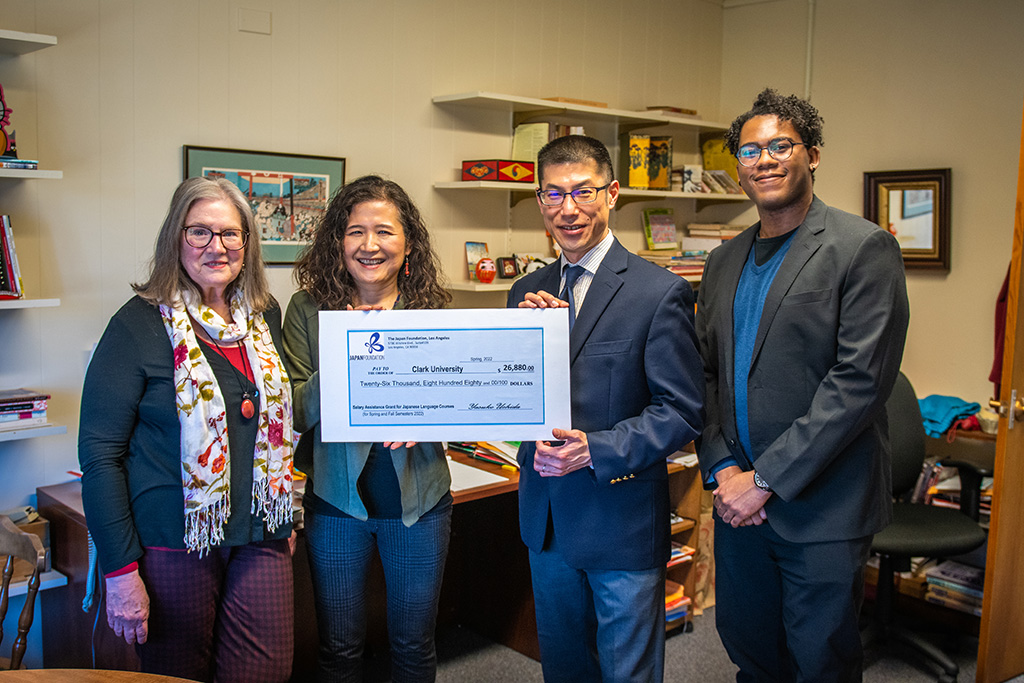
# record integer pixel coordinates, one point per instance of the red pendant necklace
(248, 408)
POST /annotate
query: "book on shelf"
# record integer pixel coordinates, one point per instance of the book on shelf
(14, 162)
(714, 183)
(952, 603)
(668, 110)
(527, 139)
(716, 157)
(680, 553)
(22, 396)
(726, 181)
(574, 100)
(11, 425)
(677, 603)
(950, 594)
(20, 408)
(10, 271)
(660, 229)
(636, 148)
(691, 178)
(659, 164)
(958, 577)
(700, 244)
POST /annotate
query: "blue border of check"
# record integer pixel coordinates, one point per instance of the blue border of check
(543, 377)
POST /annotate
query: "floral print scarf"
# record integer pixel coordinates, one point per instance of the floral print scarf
(205, 461)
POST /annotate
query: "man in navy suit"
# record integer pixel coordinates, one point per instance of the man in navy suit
(801, 321)
(593, 502)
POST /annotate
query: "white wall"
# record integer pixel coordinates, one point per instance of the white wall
(908, 84)
(130, 82)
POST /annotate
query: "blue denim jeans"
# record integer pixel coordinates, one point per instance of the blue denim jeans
(340, 551)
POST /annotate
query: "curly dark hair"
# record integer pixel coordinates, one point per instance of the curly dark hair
(801, 113)
(320, 270)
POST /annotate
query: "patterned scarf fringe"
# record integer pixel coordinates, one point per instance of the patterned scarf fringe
(277, 510)
(204, 528)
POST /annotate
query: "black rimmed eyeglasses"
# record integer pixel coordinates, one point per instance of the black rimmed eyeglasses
(581, 195)
(779, 149)
(199, 237)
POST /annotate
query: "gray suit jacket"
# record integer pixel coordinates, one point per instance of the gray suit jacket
(826, 356)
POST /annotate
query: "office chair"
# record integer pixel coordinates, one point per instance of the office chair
(18, 544)
(916, 530)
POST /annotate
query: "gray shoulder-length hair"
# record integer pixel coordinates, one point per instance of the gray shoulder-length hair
(167, 276)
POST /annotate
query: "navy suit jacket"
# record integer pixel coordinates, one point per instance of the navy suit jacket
(637, 391)
(826, 355)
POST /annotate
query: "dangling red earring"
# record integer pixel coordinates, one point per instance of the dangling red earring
(407, 266)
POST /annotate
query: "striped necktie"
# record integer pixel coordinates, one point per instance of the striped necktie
(572, 273)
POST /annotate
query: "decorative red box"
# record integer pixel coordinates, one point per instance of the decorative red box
(498, 169)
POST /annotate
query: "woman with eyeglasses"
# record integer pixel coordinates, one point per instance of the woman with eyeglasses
(186, 453)
(371, 251)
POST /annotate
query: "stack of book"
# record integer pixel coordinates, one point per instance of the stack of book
(15, 162)
(20, 408)
(680, 553)
(719, 231)
(940, 486)
(502, 453)
(719, 182)
(677, 605)
(688, 264)
(956, 585)
(10, 272)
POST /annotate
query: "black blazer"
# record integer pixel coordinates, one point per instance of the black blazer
(636, 391)
(826, 356)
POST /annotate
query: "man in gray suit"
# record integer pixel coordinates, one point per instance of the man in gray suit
(801, 322)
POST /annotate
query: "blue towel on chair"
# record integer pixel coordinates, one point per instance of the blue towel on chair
(940, 412)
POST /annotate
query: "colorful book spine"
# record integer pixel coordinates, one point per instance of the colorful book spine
(659, 164)
(638, 154)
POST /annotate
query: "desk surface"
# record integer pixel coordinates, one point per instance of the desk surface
(975, 448)
(70, 493)
(82, 676)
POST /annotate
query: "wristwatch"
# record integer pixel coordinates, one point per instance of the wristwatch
(761, 483)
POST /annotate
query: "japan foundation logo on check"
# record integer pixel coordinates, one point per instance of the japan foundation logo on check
(374, 348)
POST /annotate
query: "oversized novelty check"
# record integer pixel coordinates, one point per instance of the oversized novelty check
(449, 375)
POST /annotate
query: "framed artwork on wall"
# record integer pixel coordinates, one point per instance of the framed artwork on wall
(915, 207)
(288, 192)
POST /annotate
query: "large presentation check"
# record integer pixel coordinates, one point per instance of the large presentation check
(449, 375)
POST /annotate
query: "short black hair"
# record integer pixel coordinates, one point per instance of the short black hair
(575, 149)
(799, 112)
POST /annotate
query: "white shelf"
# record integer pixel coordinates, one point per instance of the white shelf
(515, 104)
(32, 432)
(503, 185)
(506, 186)
(668, 194)
(470, 286)
(19, 43)
(12, 304)
(50, 579)
(30, 173)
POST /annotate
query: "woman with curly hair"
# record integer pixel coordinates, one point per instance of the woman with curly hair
(371, 251)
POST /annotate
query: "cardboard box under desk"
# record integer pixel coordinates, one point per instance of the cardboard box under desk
(913, 585)
(41, 528)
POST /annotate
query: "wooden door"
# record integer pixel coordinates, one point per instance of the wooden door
(1000, 655)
